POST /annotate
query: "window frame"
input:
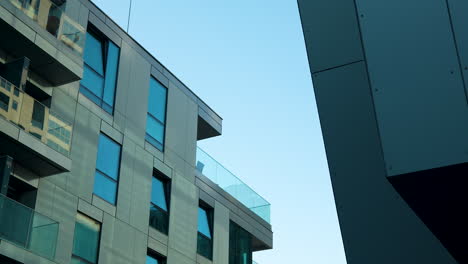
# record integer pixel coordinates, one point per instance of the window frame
(210, 218)
(105, 174)
(88, 93)
(99, 239)
(160, 145)
(166, 182)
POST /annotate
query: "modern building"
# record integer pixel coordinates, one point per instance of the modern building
(98, 151)
(390, 80)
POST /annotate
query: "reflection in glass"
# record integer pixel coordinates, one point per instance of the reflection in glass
(86, 240)
(155, 123)
(107, 169)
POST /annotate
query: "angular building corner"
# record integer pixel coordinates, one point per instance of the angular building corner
(390, 80)
(98, 151)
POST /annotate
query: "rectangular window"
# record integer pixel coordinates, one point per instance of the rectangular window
(159, 205)
(101, 59)
(86, 240)
(205, 231)
(156, 118)
(107, 169)
(240, 245)
(153, 258)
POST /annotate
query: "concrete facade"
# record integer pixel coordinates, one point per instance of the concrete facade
(126, 236)
(390, 84)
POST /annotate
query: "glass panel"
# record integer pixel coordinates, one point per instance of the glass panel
(151, 260)
(108, 160)
(38, 115)
(111, 73)
(155, 129)
(4, 101)
(157, 100)
(86, 240)
(240, 245)
(93, 54)
(93, 82)
(204, 246)
(158, 194)
(26, 228)
(232, 185)
(105, 187)
(159, 219)
(203, 223)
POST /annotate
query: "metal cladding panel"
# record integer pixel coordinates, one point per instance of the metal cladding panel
(416, 82)
(458, 10)
(331, 32)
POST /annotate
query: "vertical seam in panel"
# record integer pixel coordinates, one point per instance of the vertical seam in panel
(370, 86)
(456, 49)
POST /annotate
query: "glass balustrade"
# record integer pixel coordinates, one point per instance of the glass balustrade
(52, 17)
(35, 118)
(209, 167)
(28, 229)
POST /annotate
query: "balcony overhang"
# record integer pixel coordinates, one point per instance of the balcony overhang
(23, 37)
(209, 124)
(29, 152)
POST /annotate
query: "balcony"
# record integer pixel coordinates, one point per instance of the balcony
(225, 179)
(32, 28)
(28, 229)
(29, 122)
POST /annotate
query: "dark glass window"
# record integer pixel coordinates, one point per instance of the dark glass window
(86, 240)
(156, 119)
(107, 169)
(4, 101)
(205, 232)
(155, 259)
(101, 59)
(240, 245)
(159, 205)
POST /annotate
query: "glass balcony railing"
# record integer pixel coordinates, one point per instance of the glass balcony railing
(52, 17)
(232, 185)
(26, 228)
(35, 118)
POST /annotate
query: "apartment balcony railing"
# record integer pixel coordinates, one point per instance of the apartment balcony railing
(212, 169)
(26, 228)
(35, 118)
(52, 17)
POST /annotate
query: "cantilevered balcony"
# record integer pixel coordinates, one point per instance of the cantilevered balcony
(31, 133)
(225, 179)
(28, 229)
(43, 32)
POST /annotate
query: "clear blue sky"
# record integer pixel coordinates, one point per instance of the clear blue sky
(247, 60)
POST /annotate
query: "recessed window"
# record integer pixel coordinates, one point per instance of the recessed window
(107, 169)
(159, 205)
(205, 231)
(101, 59)
(240, 245)
(86, 240)
(156, 118)
(153, 258)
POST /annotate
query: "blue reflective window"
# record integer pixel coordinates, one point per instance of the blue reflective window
(86, 240)
(154, 260)
(101, 59)
(203, 223)
(107, 169)
(93, 55)
(158, 194)
(205, 233)
(156, 120)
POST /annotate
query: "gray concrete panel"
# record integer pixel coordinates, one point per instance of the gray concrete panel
(368, 206)
(157, 246)
(141, 190)
(83, 153)
(183, 215)
(124, 194)
(331, 33)
(221, 234)
(175, 257)
(416, 83)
